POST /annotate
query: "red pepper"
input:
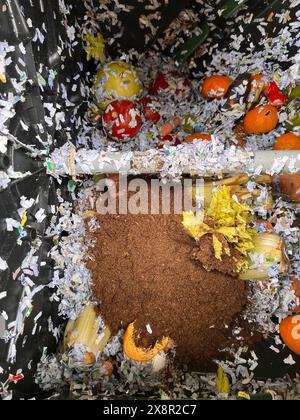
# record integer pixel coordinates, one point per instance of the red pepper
(277, 99)
(160, 83)
(272, 88)
(171, 139)
(15, 378)
(275, 96)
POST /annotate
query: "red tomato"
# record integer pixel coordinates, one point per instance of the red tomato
(171, 83)
(160, 83)
(122, 120)
(149, 110)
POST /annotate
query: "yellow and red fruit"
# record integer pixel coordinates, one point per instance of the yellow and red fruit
(116, 81)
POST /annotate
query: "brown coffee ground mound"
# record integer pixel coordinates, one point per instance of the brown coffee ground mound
(204, 252)
(143, 271)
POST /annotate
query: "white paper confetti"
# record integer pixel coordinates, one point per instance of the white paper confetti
(3, 265)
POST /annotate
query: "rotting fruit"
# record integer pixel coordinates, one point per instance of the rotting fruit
(140, 354)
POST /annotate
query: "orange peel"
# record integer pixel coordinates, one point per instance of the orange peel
(198, 136)
(140, 354)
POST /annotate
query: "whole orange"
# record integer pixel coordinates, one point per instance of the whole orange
(289, 141)
(290, 333)
(260, 120)
(216, 87)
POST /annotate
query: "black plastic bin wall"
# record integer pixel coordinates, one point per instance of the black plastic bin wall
(36, 30)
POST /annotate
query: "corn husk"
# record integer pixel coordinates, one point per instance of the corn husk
(264, 253)
(230, 222)
(85, 331)
(222, 383)
(238, 188)
(269, 250)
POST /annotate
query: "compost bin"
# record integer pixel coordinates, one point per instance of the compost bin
(53, 153)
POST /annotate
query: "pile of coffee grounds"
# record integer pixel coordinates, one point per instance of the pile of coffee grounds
(204, 252)
(144, 271)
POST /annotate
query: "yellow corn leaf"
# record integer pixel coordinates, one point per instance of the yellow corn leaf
(24, 219)
(223, 384)
(218, 247)
(229, 232)
(227, 251)
(96, 48)
(225, 211)
(242, 266)
(194, 225)
(245, 240)
(244, 395)
(231, 220)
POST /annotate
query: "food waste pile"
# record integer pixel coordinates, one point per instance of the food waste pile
(148, 276)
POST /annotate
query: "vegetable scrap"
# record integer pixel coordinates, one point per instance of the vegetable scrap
(139, 354)
(86, 332)
(96, 48)
(290, 186)
(289, 141)
(227, 223)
